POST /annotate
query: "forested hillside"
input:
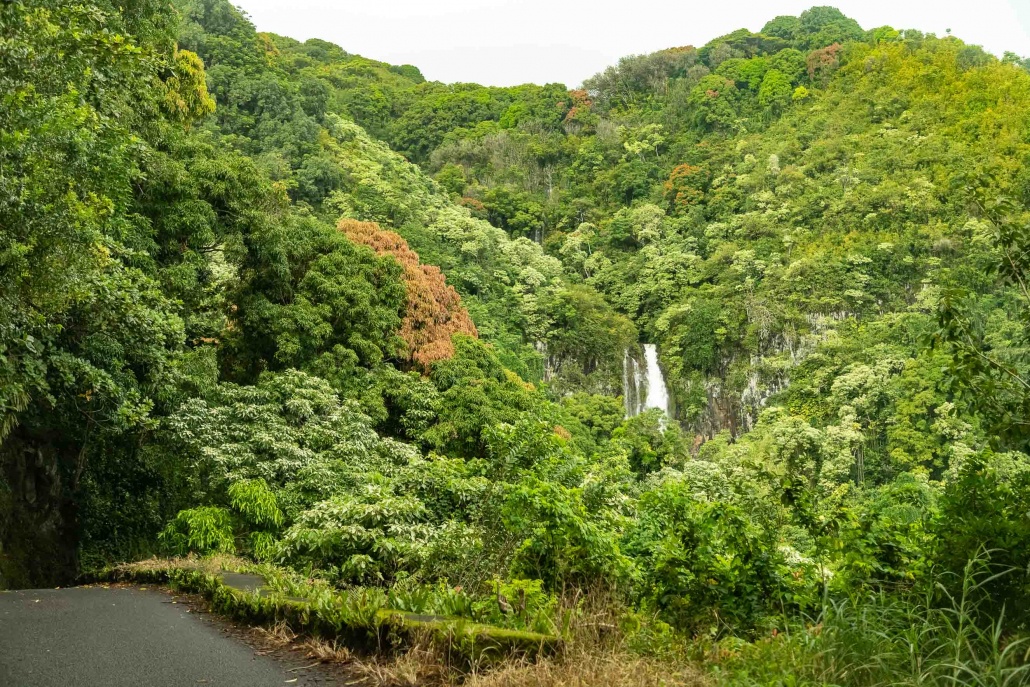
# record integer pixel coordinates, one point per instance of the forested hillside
(273, 299)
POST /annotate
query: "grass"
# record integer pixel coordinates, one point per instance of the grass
(599, 651)
(419, 666)
(594, 652)
(899, 638)
(591, 669)
(387, 648)
(881, 640)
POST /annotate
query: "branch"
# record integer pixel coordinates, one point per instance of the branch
(994, 363)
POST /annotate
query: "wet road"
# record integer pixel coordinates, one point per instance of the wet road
(125, 637)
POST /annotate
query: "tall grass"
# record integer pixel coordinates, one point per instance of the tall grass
(938, 637)
(597, 651)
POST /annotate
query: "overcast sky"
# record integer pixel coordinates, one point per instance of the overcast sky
(507, 42)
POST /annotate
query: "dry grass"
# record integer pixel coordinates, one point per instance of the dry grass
(590, 670)
(424, 666)
(593, 655)
(211, 564)
(279, 634)
(327, 652)
(416, 667)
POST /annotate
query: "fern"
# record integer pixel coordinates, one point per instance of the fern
(252, 499)
(203, 530)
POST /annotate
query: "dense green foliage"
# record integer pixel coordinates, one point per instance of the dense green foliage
(822, 229)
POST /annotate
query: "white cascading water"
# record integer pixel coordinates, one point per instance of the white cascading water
(657, 393)
(643, 385)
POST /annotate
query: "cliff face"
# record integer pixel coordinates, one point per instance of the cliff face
(732, 397)
(38, 522)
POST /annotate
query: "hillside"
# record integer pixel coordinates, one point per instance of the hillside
(374, 335)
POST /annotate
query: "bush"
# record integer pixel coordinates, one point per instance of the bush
(253, 500)
(561, 542)
(885, 639)
(370, 536)
(707, 567)
(203, 530)
(884, 536)
(983, 512)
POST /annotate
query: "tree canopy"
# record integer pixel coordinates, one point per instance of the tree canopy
(268, 297)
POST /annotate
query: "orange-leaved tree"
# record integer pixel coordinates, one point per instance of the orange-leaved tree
(685, 187)
(434, 309)
(823, 63)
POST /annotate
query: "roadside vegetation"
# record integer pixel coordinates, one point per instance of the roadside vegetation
(273, 307)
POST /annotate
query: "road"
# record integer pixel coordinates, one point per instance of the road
(128, 637)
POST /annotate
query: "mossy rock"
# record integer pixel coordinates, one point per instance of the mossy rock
(247, 582)
(477, 641)
(248, 597)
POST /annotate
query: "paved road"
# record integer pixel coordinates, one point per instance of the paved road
(124, 637)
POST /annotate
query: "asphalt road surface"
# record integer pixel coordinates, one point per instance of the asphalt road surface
(126, 637)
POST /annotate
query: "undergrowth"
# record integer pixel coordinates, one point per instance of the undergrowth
(932, 637)
(936, 635)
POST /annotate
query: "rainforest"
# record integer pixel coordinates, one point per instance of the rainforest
(713, 371)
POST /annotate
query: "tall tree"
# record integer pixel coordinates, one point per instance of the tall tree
(434, 312)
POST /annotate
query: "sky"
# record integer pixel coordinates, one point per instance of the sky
(508, 42)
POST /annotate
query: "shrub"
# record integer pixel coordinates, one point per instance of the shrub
(983, 512)
(368, 536)
(253, 500)
(707, 568)
(207, 529)
(883, 538)
(561, 542)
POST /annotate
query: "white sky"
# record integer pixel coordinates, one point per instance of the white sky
(507, 42)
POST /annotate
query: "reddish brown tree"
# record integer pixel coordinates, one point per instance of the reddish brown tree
(823, 63)
(475, 206)
(685, 187)
(581, 103)
(434, 309)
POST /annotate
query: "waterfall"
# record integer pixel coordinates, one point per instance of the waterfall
(657, 393)
(643, 385)
(548, 362)
(633, 385)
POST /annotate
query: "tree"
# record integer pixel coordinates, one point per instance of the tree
(452, 178)
(790, 62)
(715, 99)
(310, 299)
(822, 26)
(784, 26)
(87, 339)
(477, 393)
(186, 97)
(991, 383)
(583, 333)
(822, 63)
(290, 429)
(685, 187)
(434, 312)
(776, 90)
(514, 211)
(706, 565)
